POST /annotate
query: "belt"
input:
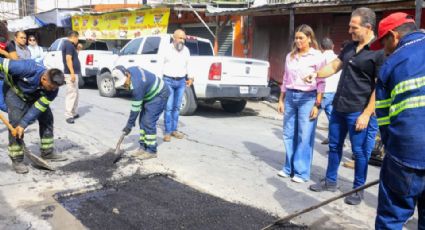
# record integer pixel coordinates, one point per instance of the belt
(174, 78)
(300, 91)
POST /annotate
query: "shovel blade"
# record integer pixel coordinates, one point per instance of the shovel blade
(37, 160)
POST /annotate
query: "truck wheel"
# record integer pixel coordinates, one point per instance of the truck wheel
(233, 106)
(106, 85)
(81, 81)
(189, 104)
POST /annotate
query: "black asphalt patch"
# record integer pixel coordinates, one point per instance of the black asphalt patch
(159, 202)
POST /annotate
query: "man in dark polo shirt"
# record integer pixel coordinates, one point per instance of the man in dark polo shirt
(72, 69)
(354, 103)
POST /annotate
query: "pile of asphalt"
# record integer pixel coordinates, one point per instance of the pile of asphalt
(159, 202)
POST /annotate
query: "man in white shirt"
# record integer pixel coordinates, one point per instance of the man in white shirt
(331, 82)
(175, 76)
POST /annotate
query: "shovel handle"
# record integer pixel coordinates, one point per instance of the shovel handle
(6, 122)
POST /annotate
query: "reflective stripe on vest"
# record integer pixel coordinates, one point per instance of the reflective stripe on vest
(9, 80)
(410, 103)
(407, 85)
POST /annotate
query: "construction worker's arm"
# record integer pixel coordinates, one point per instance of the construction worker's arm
(136, 107)
(39, 106)
(11, 49)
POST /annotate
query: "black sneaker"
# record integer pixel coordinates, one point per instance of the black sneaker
(354, 199)
(19, 166)
(70, 121)
(323, 185)
(52, 156)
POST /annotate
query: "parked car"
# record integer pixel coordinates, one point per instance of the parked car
(229, 80)
(94, 56)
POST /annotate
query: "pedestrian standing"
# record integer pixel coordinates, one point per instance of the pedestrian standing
(37, 53)
(149, 98)
(72, 71)
(327, 46)
(175, 75)
(18, 47)
(400, 106)
(31, 89)
(300, 103)
(354, 103)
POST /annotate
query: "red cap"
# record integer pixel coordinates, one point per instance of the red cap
(390, 22)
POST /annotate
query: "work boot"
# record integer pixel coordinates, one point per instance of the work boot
(19, 166)
(167, 138)
(354, 199)
(323, 185)
(177, 134)
(70, 120)
(52, 156)
(143, 155)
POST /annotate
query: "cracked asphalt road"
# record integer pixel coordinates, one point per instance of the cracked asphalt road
(231, 156)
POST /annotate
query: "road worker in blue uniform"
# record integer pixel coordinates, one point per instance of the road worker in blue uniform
(400, 107)
(29, 89)
(149, 98)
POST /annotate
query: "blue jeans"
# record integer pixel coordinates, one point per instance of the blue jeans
(362, 143)
(3, 106)
(149, 116)
(327, 104)
(298, 133)
(400, 189)
(171, 115)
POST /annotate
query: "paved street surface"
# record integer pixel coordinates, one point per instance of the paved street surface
(233, 157)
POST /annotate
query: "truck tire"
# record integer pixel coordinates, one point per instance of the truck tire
(106, 85)
(189, 104)
(233, 106)
(81, 81)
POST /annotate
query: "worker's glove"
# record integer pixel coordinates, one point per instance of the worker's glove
(126, 130)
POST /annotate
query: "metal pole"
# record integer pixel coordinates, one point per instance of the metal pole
(419, 4)
(200, 19)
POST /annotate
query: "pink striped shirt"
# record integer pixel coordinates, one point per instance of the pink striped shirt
(299, 67)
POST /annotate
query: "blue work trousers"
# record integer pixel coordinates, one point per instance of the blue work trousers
(149, 116)
(400, 189)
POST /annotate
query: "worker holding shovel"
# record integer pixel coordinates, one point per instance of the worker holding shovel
(149, 98)
(29, 90)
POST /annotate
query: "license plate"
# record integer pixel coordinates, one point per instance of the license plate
(244, 89)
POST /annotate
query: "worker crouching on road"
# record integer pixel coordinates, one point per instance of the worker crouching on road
(149, 98)
(29, 90)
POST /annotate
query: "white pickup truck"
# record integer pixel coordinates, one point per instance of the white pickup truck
(94, 56)
(229, 80)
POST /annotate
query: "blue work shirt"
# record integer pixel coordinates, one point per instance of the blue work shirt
(23, 77)
(144, 87)
(400, 102)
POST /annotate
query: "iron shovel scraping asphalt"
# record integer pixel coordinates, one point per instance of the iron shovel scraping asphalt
(38, 161)
(117, 152)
